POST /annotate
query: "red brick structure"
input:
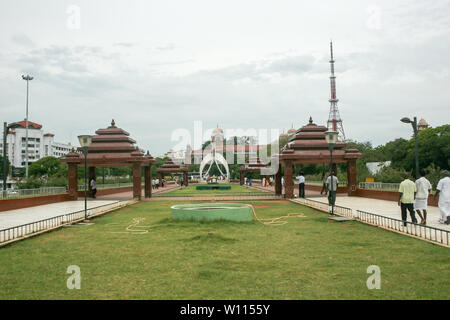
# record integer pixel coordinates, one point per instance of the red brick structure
(170, 167)
(308, 145)
(111, 147)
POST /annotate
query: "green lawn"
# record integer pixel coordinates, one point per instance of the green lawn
(236, 189)
(157, 258)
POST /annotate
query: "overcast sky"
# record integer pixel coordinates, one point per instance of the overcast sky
(156, 66)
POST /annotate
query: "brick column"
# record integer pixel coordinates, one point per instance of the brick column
(137, 181)
(73, 181)
(351, 177)
(288, 179)
(278, 186)
(148, 181)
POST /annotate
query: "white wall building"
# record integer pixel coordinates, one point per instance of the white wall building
(40, 144)
(375, 167)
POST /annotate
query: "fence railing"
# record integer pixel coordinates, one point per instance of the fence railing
(108, 185)
(339, 210)
(23, 193)
(418, 230)
(429, 233)
(379, 186)
(320, 183)
(16, 232)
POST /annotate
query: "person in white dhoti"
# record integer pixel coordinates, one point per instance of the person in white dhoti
(443, 191)
(423, 187)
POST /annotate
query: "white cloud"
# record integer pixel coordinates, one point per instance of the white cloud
(258, 64)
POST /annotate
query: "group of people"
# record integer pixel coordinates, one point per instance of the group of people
(414, 198)
(155, 183)
(266, 182)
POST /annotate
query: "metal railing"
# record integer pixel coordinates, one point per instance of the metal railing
(23, 193)
(379, 186)
(424, 232)
(429, 233)
(11, 234)
(339, 210)
(320, 183)
(108, 185)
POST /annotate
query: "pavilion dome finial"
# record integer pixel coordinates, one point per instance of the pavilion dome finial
(310, 120)
(113, 123)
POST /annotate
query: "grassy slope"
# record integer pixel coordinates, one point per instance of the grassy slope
(308, 258)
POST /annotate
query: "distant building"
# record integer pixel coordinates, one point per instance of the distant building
(40, 144)
(176, 156)
(422, 125)
(217, 138)
(375, 167)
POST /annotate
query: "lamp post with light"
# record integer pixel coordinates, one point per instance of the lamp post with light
(27, 78)
(331, 138)
(85, 142)
(416, 148)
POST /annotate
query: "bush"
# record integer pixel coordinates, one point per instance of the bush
(390, 175)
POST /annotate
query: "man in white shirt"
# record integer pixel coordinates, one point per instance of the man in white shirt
(301, 185)
(423, 187)
(332, 184)
(93, 188)
(443, 191)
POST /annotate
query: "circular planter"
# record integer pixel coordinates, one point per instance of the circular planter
(212, 211)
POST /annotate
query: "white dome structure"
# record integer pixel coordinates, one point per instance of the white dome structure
(213, 157)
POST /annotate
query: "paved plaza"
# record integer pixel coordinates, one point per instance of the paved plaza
(384, 208)
(17, 217)
(381, 207)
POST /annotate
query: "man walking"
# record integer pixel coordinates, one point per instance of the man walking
(93, 188)
(301, 185)
(407, 191)
(332, 184)
(423, 187)
(443, 191)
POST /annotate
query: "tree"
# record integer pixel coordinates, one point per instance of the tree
(47, 166)
(1, 168)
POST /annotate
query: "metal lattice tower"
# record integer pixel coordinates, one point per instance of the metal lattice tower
(334, 119)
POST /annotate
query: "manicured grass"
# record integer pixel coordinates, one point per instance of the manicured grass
(236, 189)
(307, 258)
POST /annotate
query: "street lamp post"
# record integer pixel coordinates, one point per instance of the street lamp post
(5, 173)
(85, 142)
(27, 78)
(331, 138)
(416, 147)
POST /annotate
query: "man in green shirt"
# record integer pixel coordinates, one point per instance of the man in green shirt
(407, 191)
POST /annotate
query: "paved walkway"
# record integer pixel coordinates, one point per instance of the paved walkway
(129, 194)
(17, 217)
(384, 208)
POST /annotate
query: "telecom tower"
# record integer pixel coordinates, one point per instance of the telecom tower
(334, 119)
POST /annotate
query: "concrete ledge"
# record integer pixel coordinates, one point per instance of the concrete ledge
(19, 203)
(388, 195)
(319, 188)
